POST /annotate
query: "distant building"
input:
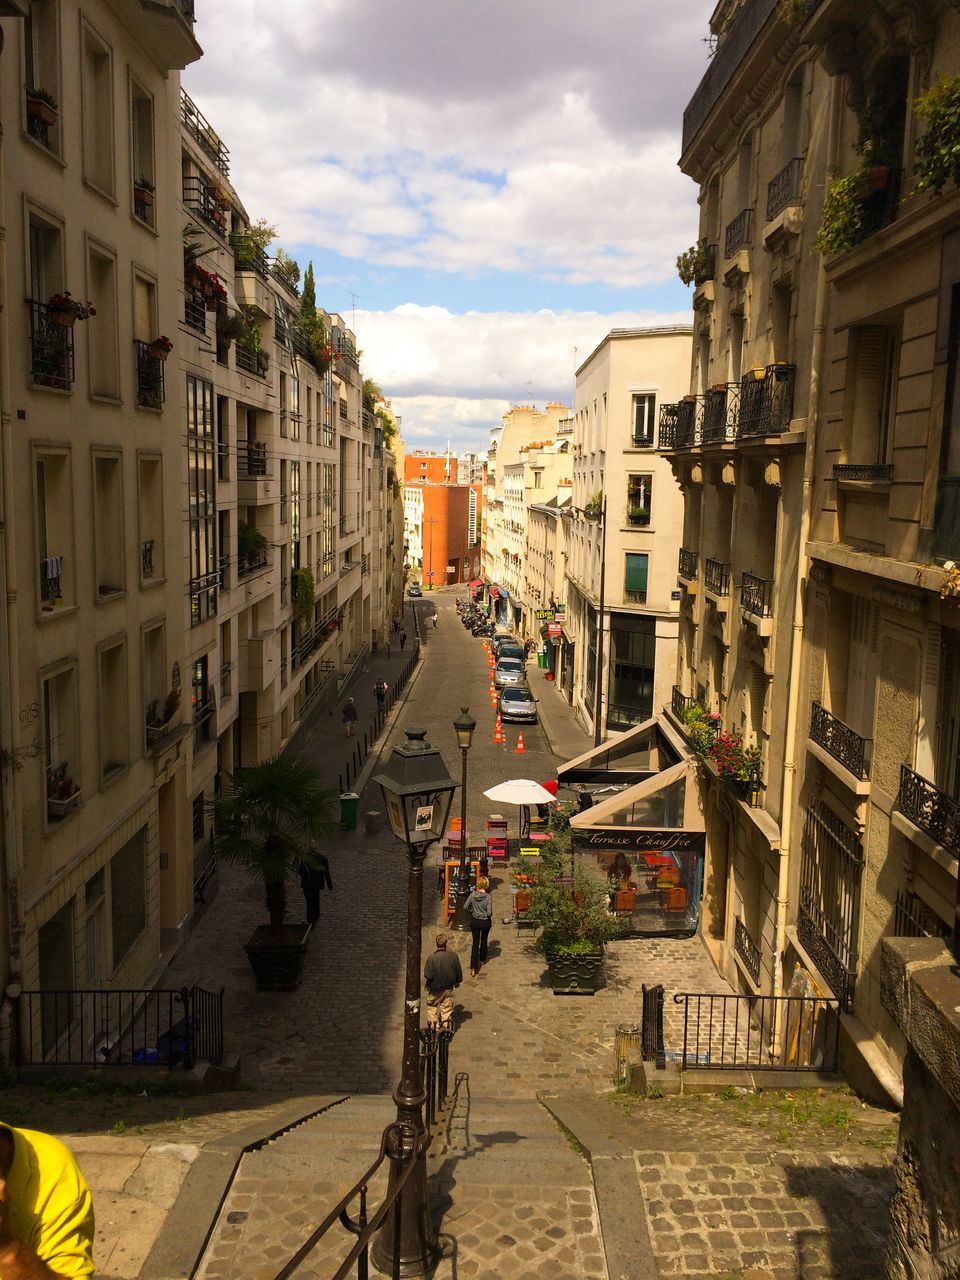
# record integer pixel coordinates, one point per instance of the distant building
(440, 533)
(430, 468)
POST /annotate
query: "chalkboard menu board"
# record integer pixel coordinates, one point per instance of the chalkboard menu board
(451, 885)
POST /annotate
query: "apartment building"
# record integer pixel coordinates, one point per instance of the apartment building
(440, 523)
(91, 464)
(546, 559)
(542, 471)
(430, 468)
(623, 530)
(816, 456)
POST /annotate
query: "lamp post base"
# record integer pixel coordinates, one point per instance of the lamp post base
(417, 1250)
(461, 920)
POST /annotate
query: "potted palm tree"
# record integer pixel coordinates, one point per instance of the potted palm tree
(268, 823)
(571, 904)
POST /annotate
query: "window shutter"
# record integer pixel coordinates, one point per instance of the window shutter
(636, 575)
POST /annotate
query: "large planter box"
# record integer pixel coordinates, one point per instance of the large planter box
(575, 975)
(276, 958)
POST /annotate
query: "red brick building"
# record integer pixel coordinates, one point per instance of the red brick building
(430, 468)
(450, 533)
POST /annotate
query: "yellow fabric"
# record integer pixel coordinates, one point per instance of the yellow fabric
(51, 1208)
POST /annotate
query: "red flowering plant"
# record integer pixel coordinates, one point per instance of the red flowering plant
(734, 761)
(66, 303)
(207, 283)
(162, 343)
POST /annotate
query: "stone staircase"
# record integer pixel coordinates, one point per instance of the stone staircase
(511, 1194)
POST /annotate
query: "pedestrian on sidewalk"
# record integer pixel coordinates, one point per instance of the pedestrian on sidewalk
(403, 639)
(396, 622)
(380, 689)
(313, 880)
(479, 907)
(46, 1210)
(350, 717)
(443, 974)
(433, 619)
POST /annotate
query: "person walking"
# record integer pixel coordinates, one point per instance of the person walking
(443, 974)
(313, 880)
(403, 639)
(380, 689)
(350, 717)
(479, 907)
(433, 619)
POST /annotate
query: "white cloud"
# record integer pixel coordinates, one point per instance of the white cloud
(453, 376)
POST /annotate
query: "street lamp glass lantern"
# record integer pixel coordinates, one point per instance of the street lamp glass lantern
(464, 726)
(417, 791)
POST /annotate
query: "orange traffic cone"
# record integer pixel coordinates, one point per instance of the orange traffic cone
(498, 732)
(521, 749)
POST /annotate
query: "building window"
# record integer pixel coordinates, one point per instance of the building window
(151, 518)
(98, 113)
(831, 867)
(108, 524)
(61, 743)
(56, 571)
(142, 153)
(635, 577)
(644, 412)
(633, 648)
(128, 895)
(202, 500)
(42, 59)
(295, 502)
(639, 492)
(202, 701)
(871, 395)
(104, 362)
(113, 710)
(946, 525)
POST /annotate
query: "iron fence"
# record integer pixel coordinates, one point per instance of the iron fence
(784, 189)
(759, 1033)
(756, 595)
(874, 472)
(434, 1067)
(196, 123)
(99, 1027)
(828, 915)
(716, 577)
(667, 438)
(687, 563)
(739, 233)
(150, 381)
(651, 1027)
(932, 810)
(747, 949)
(51, 348)
(839, 740)
(766, 404)
(721, 406)
(688, 433)
(914, 919)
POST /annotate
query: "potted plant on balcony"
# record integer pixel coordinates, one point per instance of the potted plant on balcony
(937, 153)
(571, 905)
(160, 347)
(593, 508)
(304, 595)
(160, 719)
(251, 543)
(692, 262)
(268, 823)
(64, 309)
(42, 106)
(143, 191)
(63, 793)
(842, 223)
(639, 514)
(206, 283)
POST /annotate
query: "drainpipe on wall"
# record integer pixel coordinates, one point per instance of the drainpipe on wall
(9, 738)
(794, 692)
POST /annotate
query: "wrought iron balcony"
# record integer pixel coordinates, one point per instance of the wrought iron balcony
(195, 311)
(839, 740)
(709, 269)
(747, 950)
(196, 124)
(250, 361)
(150, 384)
(756, 595)
(931, 809)
(252, 458)
(203, 204)
(876, 472)
(51, 348)
(689, 422)
(146, 557)
(720, 408)
(716, 577)
(253, 564)
(766, 404)
(687, 565)
(739, 233)
(51, 592)
(784, 189)
(679, 702)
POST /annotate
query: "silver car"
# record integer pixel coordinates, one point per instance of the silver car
(518, 704)
(509, 671)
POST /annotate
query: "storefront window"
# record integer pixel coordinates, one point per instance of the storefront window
(662, 809)
(655, 891)
(632, 664)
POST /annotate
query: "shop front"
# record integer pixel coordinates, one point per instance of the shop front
(643, 831)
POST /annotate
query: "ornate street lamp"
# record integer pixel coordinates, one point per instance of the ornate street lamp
(417, 792)
(464, 726)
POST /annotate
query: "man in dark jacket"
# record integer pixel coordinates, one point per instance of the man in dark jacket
(313, 880)
(443, 973)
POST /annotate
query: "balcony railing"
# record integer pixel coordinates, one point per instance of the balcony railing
(146, 557)
(51, 348)
(51, 591)
(203, 205)
(679, 702)
(687, 565)
(709, 269)
(668, 426)
(784, 189)
(875, 472)
(251, 564)
(930, 809)
(634, 596)
(150, 387)
(716, 577)
(343, 410)
(689, 422)
(766, 404)
(739, 233)
(196, 123)
(203, 723)
(756, 595)
(252, 459)
(248, 255)
(250, 361)
(839, 740)
(747, 950)
(195, 311)
(721, 406)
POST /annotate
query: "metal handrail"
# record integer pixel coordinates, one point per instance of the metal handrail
(759, 1033)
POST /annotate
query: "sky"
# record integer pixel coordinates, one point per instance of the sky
(485, 187)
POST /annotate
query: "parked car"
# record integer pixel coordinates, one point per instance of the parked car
(509, 671)
(518, 704)
(414, 589)
(501, 638)
(511, 651)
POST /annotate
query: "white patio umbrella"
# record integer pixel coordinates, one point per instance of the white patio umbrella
(521, 791)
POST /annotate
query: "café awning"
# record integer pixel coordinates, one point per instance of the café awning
(474, 583)
(628, 757)
(662, 811)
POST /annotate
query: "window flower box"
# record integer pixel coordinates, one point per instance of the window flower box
(42, 107)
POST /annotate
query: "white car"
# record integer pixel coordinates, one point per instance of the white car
(509, 671)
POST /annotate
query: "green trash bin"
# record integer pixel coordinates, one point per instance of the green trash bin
(349, 810)
(542, 661)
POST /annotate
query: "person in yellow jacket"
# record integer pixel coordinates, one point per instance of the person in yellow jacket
(46, 1210)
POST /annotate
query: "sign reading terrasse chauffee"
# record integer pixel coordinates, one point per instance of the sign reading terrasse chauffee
(621, 838)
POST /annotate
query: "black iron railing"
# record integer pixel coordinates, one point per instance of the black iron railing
(828, 916)
(687, 563)
(839, 740)
(766, 404)
(146, 557)
(784, 189)
(51, 348)
(747, 949)
(721, 406)
(708, 271)
(195, 311)
(759, 1033)
(249, 255)
(203, 204)
(51, 568)
(688, 422)
(668, 426)
(196, 123)
(652, 1047)
(150, 381)
(931, 809)
(434, 1066)
(756, 595)
(914, 919)
(679, 702)
(94, 1028)
(716, 577)
(251, 361)
(877, 472)
(739, 233)
(251, 564)
(252, 459)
